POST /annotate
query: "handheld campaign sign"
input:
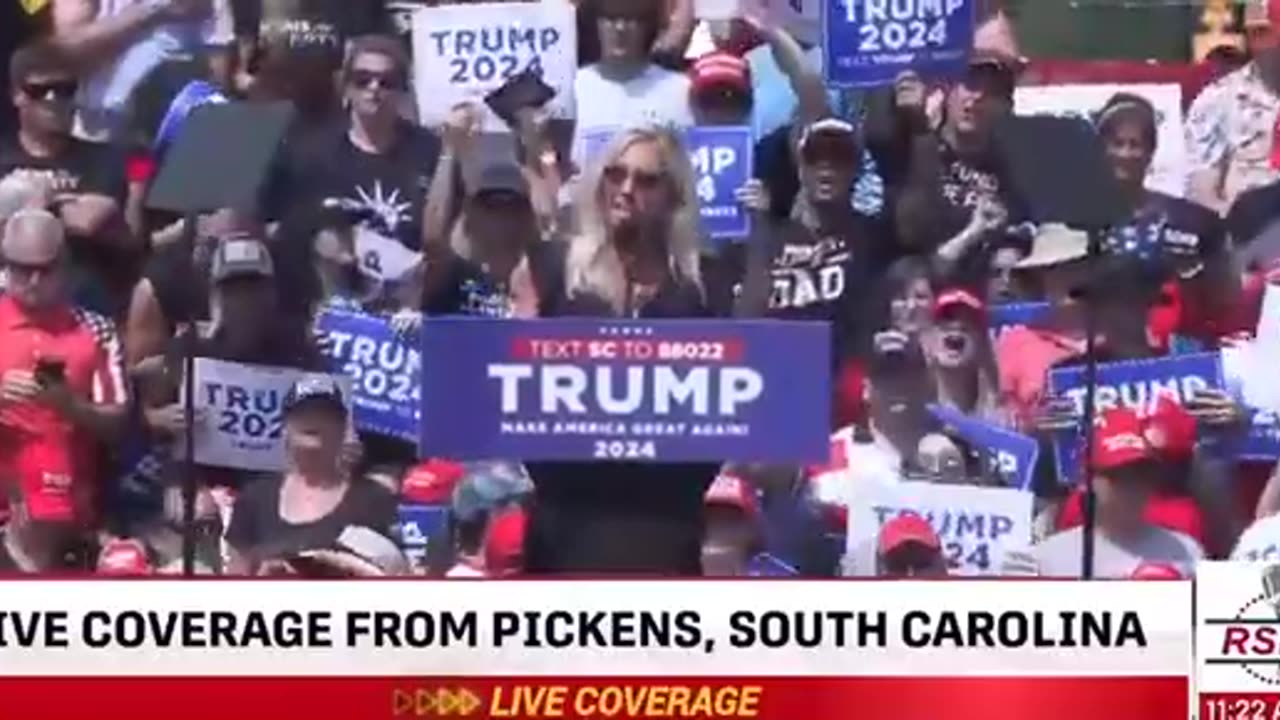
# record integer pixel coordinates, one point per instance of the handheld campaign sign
(1012, 455)
(385, 371)
(1137, 384)
(866, 43)
(976, 525)
(667, 391)
(419, 526)
(194, 95)
(463, 52)
(243, 407)
(722, 160)
(382, 258)
(1004, 317)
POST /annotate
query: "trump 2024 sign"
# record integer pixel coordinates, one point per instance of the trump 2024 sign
(655, 391)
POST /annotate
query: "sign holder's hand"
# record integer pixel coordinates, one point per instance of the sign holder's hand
(461, 127)
(19, 386)
(1054, 415)
(1216, 408)
(754, 196)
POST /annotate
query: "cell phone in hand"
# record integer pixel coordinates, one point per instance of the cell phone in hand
(50, 371)
(524, 90)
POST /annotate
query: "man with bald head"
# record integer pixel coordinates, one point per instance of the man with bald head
(62, 392)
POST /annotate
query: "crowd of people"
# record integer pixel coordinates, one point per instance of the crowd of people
(885, 213)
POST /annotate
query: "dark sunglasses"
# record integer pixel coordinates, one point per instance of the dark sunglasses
(617, 176)
(365, 79)
(52, 90)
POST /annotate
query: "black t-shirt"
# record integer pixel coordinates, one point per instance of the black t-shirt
(258, 530)
(83, 168)
(632, 518)
(389, 190)
(793, 273)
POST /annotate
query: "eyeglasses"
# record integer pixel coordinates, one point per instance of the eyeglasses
(366, 79)
(617, 175)
(838, 152)
(51, 90)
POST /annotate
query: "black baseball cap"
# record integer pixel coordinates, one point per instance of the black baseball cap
(316, 389)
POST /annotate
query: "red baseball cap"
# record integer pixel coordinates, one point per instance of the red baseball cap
(1171, 431)
(1156, 571)
(719, 69)
(432, 482)
(122, 556)
(1120, 440)
(907, 528)
(504, 543)
(733, 491)
(957, 298)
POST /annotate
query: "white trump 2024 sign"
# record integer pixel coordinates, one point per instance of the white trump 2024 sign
(463, 52)
(242, 409)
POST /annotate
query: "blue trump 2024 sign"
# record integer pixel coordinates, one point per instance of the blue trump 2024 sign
(384, 371)
(1012, 455)
(722, 158)
(722, 162)
(1138, 385)
(868, 42)
(666, 391)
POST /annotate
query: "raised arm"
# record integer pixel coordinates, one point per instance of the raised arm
(88, 40)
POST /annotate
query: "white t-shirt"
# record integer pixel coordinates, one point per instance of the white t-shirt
(1059, 554)
(1261, 542)
(863, 462)
(655, 97)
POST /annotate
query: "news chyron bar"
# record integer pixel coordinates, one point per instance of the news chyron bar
(1238, 640)
(771, 649)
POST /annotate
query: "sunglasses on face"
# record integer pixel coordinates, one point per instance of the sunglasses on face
(51, 90)
(367, 79)
(617, 175)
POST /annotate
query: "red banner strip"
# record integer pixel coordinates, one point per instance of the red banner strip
(768, 699)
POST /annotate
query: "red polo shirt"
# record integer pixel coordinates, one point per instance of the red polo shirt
(53, 461)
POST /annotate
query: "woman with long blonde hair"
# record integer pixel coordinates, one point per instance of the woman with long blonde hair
(634, 255)
(635, 247)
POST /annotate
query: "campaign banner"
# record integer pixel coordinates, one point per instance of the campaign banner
(464, 52)
(722, 160)
(977, 525)
(867, 43)
(1012, 456)
(1137, 384)
(1010, 315)
(243, 410)
(664, 391)
(420, 525)
(384, 369)
(1168, 171)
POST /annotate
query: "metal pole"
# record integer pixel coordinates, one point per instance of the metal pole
(189, 475)
(1090, 393)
